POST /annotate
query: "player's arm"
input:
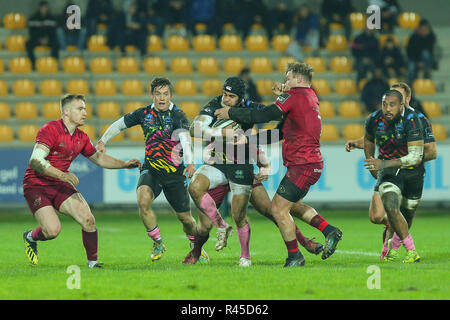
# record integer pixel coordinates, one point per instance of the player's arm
(354, 144)
(40, 164)
(188, 157)
(250, 115)
(113, 130)
(263, 165)
(413, 158)
(429, 151)
(106, 161)
(369, 146)
(200, 128)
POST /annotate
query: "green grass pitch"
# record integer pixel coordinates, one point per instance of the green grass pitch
(124, 248)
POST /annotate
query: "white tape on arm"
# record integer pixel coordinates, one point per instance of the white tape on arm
(113, 130)
(414, 156)
(37, 159)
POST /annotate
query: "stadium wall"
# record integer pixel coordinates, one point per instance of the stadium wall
(344, 180)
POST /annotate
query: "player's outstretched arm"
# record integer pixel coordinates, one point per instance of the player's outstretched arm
(39, 164)
(250, 115)
(354, 144)
(112, 131)
(429, 151)
(413, 158)
(106, 161)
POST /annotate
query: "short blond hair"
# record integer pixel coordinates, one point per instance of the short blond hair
(301, 68)
(68, 98)
(404, 86)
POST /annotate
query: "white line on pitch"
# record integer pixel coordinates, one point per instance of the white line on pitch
(364, 253)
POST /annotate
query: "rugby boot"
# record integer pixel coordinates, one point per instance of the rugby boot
(158, 249)
(222, 237)
(313, 247)
(204, 258)
(392, 254)
(244, 262)
(31, 250)
(96, 265)
(331, 242)
(411, 256)
(295, 260)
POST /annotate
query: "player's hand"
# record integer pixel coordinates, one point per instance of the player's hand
(350, 145)
(100, 146)
(239, 138)
(133, 163)
(222, 113)
(263, 174)
(372, 163)
(277, 88)
(190, 170)
(69, 177)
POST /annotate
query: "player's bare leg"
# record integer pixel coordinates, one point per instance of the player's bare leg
(261, 202)
(377, 215)
(190, 229)
(77, 207)
(239, 204)
(145, 197)
(280, 209)
(198, 189)
(49, 228)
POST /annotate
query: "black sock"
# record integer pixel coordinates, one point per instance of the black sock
(327, 230)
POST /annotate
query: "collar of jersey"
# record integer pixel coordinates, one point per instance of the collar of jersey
(170, 107)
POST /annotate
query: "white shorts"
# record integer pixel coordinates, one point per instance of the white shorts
(215, 176)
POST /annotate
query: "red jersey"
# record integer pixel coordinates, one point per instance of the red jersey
(302, 126)
(64, 148)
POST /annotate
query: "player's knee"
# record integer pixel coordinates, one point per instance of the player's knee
(89, 222)
(52, 232)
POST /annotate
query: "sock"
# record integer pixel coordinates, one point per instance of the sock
(396, 242)
(320, 223)
(300, 237)
(90, 242)
(155, 234)
(292, 246)
(408, 242)
(244, 240)
(208, 205)
(198, 244)
(36, 235)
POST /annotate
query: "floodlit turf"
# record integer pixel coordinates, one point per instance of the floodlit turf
(124, 247)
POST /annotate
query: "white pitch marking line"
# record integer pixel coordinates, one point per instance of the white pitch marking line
(364, 253)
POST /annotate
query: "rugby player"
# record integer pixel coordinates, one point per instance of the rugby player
(49, 186)
(163, 124)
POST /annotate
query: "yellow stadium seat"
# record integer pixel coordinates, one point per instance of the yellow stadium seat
(281, 42)
(27, 132)
(88, 110)
(71, 48)
(200, 28)
(212, 87)
(154, 65)
(97, 43)
(108, 110)
(260, 65)
(51, 110)
(177, 43)
(228, 28)
(46, 65)
(20, 65)
(346, 87)
(127, 65)
(181, 65)
(105, 87)
(256, 43)
(329, 132)
(132, 87)
(26, 110)
(14, 21)
(358, 20)
(208, 66)
(191, 109)
(336, 42)
(336, 26)
(424, 86)
(204, 43)
(42, 49)
(326, 109)
(283, 62)
(264, 87)
(119, 137)
(185, 87)
(154, 43)
(2, 66)
(89, 130)
(233, 65)
(439, 132)
(432, 109)
(391, 81)
(3, 88)
(135, 133)
(100, 65)
(16, 43)
(350, 109)
(341, 65)
(5, 110)
(230, 42)
(353, 131)
(133, 105)
(50, 88)
(383, 37)
(77, 86)
(74, 65)
(321, 86)
(408, 20)
(317, 63)
(6, 133)
(24, 88)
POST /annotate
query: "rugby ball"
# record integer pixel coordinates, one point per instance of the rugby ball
(223, 123)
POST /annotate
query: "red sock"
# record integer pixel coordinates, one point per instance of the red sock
(300, 237)
(38, 235)
(90, 242)
(319, 222)
(292, 245)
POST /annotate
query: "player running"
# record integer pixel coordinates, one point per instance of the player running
(49, 186)
(299, 108)
(163, 124)
(377, 214)
(399, 135)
